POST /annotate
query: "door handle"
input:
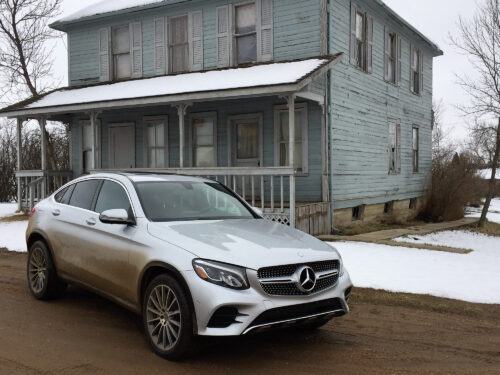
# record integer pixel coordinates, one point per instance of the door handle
(90, 221)
(56, 212)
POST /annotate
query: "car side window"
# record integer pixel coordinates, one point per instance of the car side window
(83, 194)
(59, 196)
(64, 195)
(112, 196)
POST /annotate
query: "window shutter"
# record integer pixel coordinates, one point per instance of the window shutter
(223, 36)
(421, 67)
(136, 49)
(387, 52)
(369, 43)
(160, 47)
(398, 148)
(265, 30)
(354, 10)
(399, 53)
(196, 40)
(104, 50)
(412, 76)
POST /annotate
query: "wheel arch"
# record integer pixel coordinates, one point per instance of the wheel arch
(37, 235)
(156, 268)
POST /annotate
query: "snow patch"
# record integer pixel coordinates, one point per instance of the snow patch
(472, 277)
(12, 234)
(493, 212)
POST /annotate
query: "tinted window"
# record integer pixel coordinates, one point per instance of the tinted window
(83, 194)
(176, 201)
(112, 196)
(64, 195)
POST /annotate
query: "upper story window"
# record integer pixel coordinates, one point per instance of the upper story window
(392, 60)
(245, 33)
(361, 39)
(178, 44)
(122, 67)
(416, 65)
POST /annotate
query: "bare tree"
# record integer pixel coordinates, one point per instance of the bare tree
(481, 142)
(480, 40)
(26, 60)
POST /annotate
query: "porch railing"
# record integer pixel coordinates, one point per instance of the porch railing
(33, 186)
(272, 189)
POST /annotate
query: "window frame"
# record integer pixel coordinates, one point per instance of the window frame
(113, 54)
(146, 146)
(171, 46)
(235, 36)
(415, 153)
(418, 72)
(97, 146)
(392, 57)
(213, 116)
(397, 154)
(278, 109)
(255, 116)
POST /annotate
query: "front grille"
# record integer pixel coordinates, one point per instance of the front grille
(291, 289)
(296, 312)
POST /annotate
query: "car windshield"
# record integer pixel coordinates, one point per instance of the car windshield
(181, 201)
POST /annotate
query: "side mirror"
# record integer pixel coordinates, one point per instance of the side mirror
(257, 210)
(116, 216)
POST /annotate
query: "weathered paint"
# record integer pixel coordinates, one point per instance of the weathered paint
(296, 35)
(361, 105)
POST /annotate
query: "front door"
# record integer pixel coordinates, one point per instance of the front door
(246, 141)
(122, 146)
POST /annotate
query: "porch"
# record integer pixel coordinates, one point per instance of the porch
(269, 144)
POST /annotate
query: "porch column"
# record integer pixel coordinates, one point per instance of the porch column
(291, 134)
(19, 162)
(95, 139)
(42, 121)
(181, 111)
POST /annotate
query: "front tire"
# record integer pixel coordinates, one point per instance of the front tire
(167, 319)
(43, 281)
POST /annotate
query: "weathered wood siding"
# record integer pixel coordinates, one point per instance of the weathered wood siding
(296, 35)
(308, 186)
(361, 105)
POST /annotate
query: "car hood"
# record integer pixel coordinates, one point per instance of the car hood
(249, 243)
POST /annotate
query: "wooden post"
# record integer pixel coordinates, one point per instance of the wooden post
(181, 112)
(19, 162)
(42, 122)
(291, 134)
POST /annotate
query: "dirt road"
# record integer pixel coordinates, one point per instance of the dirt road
(385, 333)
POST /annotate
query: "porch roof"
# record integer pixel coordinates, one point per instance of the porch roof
(256, 80)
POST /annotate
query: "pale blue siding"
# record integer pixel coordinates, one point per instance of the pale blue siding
(361, 106)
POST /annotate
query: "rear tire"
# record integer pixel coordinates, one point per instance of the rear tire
(168, 319)
(43, 281)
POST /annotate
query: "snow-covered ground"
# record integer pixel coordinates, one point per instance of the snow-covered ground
(12, 235)
(493, 212)
(472, 277)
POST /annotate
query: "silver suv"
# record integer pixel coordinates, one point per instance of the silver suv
(187, 253)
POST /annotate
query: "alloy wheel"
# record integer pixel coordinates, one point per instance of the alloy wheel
(163, 316)
(38, 270)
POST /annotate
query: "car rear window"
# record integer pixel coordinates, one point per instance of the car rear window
(83, 194)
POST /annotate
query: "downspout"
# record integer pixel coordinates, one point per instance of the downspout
(329, 112)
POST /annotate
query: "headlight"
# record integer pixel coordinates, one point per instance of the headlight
(221, 274)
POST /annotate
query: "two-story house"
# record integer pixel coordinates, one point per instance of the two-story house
(316, 111)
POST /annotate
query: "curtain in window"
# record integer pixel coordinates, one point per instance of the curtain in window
(203, 142)
(284, 139)
(247, 138)
(156, 144)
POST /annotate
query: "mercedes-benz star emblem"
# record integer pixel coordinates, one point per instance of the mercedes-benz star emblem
(306, 279)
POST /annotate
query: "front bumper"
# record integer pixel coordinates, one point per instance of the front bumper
(253, 302)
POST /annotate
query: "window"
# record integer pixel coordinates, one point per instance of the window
(413, 204)
(64, 195)
(415, 149)
(178, 44)
(361, 39)
(204, 140)
(394, 147)
(358, 213)
(282, 137)
(112, 196)
(83, 194)
(391, 62)
(388, 207)
(155, 142)
(86, 147)
(122, 65)
(416, 71)
(245, 33)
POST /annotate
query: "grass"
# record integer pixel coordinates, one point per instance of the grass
(490, 228)
(14, 218)
(377, 227)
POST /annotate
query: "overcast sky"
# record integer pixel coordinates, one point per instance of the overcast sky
(434, 18)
